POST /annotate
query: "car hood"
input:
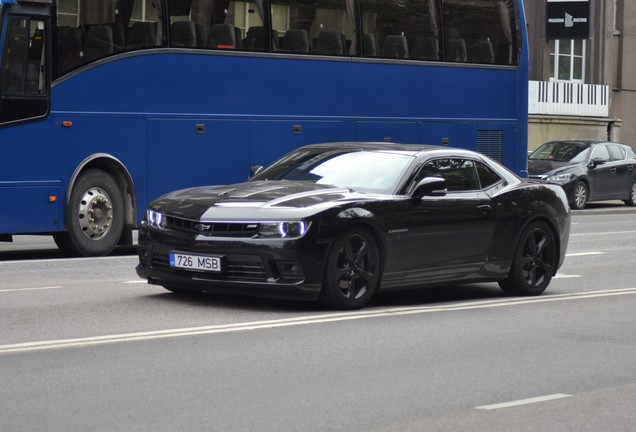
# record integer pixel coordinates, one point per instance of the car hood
(541, 167)
(254, 200)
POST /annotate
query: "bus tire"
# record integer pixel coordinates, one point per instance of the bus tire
(94, 216)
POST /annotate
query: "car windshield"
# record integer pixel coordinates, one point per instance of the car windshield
(368, 171)
(561, 152)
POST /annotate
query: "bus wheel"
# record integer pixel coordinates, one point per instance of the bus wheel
(95, 216)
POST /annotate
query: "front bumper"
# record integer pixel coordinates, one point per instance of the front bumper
(278, 268)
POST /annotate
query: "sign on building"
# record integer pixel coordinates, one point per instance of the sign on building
(568, 19)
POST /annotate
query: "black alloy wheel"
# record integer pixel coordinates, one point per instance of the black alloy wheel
(353, 270)
(581, 196)
(534, 262)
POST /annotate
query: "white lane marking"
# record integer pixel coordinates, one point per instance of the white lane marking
(30, 289)
(305, 320)
(585, 254)
(524, 401)
(602, 233)
(53, 260)
(564, 276)
(140, 281)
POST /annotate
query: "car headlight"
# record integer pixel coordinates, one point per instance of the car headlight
(561, 178)
(285, 230)
(155, 219)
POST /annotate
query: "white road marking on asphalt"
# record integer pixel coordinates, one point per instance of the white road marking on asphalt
(53, 260)
(289, 322)
(585, 254)
(140, 281)
(564, 276)
(602, 233)
(524, 401)
(30, 289)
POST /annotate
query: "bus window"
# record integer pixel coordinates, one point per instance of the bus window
(24, 81)
(404, 30)
(91, 30)
(479, 32)
(314, 27)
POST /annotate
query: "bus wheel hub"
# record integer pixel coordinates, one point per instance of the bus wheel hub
(95, 213)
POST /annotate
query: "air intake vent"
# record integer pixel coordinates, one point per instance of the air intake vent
(490, 143)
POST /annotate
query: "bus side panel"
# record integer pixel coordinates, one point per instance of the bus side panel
(195, 152)
(30, 206)
(270, 139)
(399, 132)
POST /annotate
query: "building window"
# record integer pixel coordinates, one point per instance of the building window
(567, 60)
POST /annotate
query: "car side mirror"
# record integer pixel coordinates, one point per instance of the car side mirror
(596, 162)
(430, 186)
(255, 170)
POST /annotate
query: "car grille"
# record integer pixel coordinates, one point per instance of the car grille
(216, 229)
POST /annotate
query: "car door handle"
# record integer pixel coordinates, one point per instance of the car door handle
(484, 208)
(612, 170)
(630, 167)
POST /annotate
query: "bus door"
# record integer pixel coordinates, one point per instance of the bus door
(24, 77)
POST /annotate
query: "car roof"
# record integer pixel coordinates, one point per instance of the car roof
(586, 142)
(411, 149)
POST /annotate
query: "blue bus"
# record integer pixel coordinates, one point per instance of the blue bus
(106, 104)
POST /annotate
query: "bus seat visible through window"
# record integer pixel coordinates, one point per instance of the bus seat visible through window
(330, 43)
(98, 43)
(395, 46)
(456, 50)
(425, 48)
(296, 41)
(183, 34)
(223, 36)
(480, 51)
(142, 34)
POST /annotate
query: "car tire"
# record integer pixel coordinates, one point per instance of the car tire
(631, 201)
(534, 262)
(581, 196)
(94, 217)
(353, 270)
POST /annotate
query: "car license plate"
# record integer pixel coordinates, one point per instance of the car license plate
(204, 263)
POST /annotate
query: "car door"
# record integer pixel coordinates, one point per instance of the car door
(445, 237)
(624, 172)
(601, 172)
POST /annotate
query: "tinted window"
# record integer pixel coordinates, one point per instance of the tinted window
(487, 177)
(480, 31)
(362, 170)
(559, 151)
(406, 29)
(91, 30)
(24, 74)
(460, 174)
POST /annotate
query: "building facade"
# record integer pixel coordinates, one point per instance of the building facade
(582, 70)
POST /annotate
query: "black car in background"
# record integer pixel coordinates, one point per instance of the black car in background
(588, 170)
(339, 222)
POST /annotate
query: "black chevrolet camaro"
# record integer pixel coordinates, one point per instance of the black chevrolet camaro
(338, 222)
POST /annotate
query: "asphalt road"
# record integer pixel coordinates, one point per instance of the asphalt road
(85, 345)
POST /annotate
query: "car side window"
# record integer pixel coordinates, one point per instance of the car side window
(601, 152)
(460, 174)
(618, 153)
(487, 177)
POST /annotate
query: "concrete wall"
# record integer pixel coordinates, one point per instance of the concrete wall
(542, 129)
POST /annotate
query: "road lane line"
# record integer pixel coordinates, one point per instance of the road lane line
(602, 233)
(140, 281)
(585, 254)
(54, 260)
(564, 276)
(296, 321)
(29, 289)
(524, 402)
